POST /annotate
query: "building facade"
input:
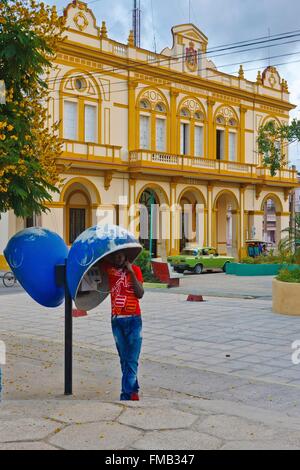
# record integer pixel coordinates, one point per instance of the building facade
(163, 144)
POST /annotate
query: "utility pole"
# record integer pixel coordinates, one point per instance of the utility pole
(136, 22)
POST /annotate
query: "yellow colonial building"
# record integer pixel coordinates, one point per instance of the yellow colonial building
(165, 130)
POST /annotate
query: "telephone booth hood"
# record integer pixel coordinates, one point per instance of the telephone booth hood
(32, 255)
(89, 248)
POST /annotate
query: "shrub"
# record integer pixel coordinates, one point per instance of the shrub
(248, 260)
(144, 262)
(289, 276)
(270, 259)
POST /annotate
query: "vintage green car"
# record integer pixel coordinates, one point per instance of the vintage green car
(198, 260)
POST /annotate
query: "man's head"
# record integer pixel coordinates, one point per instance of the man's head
(117, 259)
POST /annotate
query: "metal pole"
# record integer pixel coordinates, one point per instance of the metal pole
(151, 225)
(61, 281)
(68, 340)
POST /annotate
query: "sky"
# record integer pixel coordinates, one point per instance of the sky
(223, 22)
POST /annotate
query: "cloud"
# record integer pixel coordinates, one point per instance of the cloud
(223, 22)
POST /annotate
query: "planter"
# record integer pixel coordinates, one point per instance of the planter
(240, 269)
(286, 298)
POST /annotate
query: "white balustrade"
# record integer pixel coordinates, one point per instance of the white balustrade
(118, 49)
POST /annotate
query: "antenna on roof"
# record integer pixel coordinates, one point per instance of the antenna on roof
(136, 22)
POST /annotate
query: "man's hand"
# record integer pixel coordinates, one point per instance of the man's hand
(128, 266)
(137, 286)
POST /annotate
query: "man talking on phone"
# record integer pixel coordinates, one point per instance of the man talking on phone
(126, 289)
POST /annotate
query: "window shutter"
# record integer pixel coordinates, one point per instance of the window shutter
(198, 141)
(70, 120)
(232, 146)
(90, 123)
(144, 132)
(161, 135)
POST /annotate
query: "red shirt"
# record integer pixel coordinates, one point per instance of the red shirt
(123, 298)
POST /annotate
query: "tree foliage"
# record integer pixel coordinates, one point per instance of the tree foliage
(271, 138)
(29, 35)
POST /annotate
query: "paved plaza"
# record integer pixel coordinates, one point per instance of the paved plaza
(217, 374)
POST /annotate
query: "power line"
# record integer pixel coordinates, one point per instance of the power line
(209, 76)
(159, 61)
(202, 69)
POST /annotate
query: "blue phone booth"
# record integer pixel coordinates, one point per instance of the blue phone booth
(32, 256)
(51, 274)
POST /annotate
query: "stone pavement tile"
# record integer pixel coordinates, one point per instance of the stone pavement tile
(16, 429)
(234, 428)
(154, 419)
(259, 445)
(96, 436)
(295, 382)
(262, 395)
(288, 373)
(260, 370)
(84, 411)
(179, 440)
(37, 445)
(273, 378)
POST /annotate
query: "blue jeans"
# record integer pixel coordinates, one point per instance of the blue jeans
(128, 337)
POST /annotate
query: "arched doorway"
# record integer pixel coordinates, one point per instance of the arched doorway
(192, 229)
(81, 201)
(271, 224)
(78, 211)
(226, 236)
(149, 220)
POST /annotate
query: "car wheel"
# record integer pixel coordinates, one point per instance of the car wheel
(180, 271)
(8, 279)
(198, 269)
(225, 267)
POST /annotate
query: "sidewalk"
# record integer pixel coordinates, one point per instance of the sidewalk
(213, 375)
(181, 408)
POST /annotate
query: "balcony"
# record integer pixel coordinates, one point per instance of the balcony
(90, 152)
(186, 165)
(284, 175)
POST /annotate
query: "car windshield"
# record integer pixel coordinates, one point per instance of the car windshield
(189, 252)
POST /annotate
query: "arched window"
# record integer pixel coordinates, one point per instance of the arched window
(145, 125)
(153, 122)
(80, 111)
(226, 136)
(191, 129)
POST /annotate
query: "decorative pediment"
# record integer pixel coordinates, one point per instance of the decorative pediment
(80, 18)
(190, 42)
(188, 33)
(271, 78)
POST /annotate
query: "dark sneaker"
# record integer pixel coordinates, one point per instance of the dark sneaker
(134, 396)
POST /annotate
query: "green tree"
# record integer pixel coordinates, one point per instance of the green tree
(291, 242)
(270, 138)
(29, 34)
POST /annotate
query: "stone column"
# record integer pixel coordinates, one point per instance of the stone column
(173, 121)
(174, 223)
(242, 249)
(209, 215)
(132, 144)
(210, 128)
(242, 149)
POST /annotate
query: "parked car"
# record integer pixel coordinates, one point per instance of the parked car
(197, 260)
